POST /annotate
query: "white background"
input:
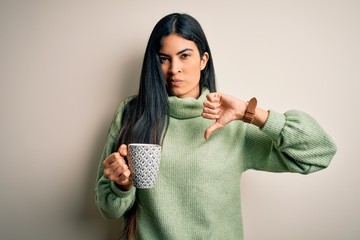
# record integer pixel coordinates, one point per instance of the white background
(65, 65)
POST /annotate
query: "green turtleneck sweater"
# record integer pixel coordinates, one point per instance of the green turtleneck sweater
(197, 192)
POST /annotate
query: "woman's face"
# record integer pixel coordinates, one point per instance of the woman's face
(181, 65)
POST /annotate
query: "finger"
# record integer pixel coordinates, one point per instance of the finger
(212, 129)
(123, 150)
(124, 183)
(115, 170)
(214, 111)
(124, 179)
(210, 116)
(211, 105)
(125, 176)
(213, 97)
(120, 168)
(114, 178)
(111, 158)
(109, 169)
(108, 172)
(113, 162)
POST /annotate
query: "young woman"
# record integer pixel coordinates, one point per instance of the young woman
(208, 140)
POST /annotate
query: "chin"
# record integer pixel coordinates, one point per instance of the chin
(174, 93)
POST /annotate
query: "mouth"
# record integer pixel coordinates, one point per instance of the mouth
(174, 82)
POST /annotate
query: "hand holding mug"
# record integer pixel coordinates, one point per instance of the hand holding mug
(116, 168)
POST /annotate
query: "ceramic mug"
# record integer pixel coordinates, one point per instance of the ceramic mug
(144, 162)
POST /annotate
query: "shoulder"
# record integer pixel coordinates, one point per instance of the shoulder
(122, 107)
(124, 104)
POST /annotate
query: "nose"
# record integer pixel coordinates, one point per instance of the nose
(175, 67)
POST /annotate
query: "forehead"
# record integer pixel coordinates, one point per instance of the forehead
(174, 43)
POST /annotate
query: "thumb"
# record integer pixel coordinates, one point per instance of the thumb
(212, 129)
(123, 150)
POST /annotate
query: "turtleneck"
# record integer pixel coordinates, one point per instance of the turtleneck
(198, 177)
(184, 108)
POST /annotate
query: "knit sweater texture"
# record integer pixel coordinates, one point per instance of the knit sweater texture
(197, 191)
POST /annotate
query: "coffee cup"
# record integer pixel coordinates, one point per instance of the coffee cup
(144, 163)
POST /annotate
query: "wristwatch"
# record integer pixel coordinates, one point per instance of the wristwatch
(250, 111)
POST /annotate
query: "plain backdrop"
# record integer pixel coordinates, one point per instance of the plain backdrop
(65, 65)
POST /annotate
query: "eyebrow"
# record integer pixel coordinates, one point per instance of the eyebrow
(178, 53)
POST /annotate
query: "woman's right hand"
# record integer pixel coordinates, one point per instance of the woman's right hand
(116, 169)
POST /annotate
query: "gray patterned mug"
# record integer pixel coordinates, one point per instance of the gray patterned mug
(144, 162)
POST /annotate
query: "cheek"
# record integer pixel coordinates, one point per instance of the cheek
(196, 70)
(164, 70)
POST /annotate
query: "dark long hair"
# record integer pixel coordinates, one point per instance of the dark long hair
(145, 118)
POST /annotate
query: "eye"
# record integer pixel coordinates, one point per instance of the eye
(185, 55)
(163, 59)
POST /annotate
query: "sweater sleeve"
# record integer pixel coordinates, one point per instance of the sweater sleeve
(290, 142)
(112, 201)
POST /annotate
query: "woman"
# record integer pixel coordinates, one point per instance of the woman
(197, 192)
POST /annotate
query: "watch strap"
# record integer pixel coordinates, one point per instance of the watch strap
(250, 111)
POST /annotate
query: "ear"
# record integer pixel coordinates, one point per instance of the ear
(204, 60)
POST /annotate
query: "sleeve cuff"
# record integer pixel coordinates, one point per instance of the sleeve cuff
(274, 125)
(120, 193)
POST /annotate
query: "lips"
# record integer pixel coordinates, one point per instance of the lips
(175, 82)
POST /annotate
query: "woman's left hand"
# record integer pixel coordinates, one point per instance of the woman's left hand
(222, 108)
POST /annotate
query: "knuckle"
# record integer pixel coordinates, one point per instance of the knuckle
(106, 172)
(124, 168)
(118, 171)
(127, 173)
(122, 160)
(116, 155)
(111, 177)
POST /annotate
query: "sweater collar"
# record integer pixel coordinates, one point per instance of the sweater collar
(184, 108)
